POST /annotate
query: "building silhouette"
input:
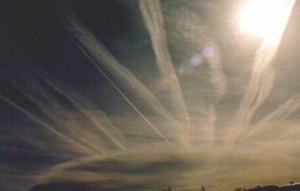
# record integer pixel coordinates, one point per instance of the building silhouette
(290, 187)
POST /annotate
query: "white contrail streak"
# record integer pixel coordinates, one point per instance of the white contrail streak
(153, 18)
(217, 76)
(280, 114)
(261, 80)
(126, 99)
(84, 105)
(88, 109)
(97, 54)
(55, 116)
(83, 148)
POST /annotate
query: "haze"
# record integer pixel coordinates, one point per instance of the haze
(145, 95)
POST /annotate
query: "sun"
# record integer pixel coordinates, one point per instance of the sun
(263, 18)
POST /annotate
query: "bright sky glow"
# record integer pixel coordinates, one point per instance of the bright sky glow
(264, 18)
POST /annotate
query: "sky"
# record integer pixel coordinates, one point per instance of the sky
(146, 95)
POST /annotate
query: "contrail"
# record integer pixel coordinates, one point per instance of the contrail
(261, 80)
(211, 126)
(280, 114)
(218, 81)
(52, 113)
(126, 98)
(283, 111)
(84, 105)
(217, 76)
(152, 15)
(47, 102)
(93, 49)
(83, 148)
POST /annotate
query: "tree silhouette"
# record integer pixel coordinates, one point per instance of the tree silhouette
(239, 189)
(169, 189)
(202, 188)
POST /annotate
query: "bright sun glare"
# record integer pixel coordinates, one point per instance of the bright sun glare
(263, 18)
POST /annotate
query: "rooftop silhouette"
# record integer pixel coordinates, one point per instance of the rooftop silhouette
(290, 187)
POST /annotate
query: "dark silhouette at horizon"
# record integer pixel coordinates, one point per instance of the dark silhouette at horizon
(63, 186)
(290, 187)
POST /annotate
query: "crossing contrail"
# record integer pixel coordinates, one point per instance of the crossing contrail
(153, 18)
